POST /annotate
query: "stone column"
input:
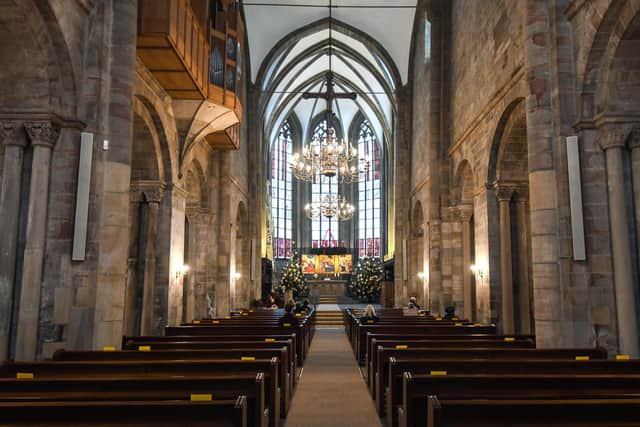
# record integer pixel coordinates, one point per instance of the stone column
(9, 216)
(43, 136)
(504, 199)
(553, 328)
(521, 199)
(467, 276)
(150, 235)
(621, 244)
(634, 146)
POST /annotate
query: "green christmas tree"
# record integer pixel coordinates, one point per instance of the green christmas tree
(369, 274)
(292, 278)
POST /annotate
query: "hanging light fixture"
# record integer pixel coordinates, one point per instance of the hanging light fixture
(330, 206)
(329, 156)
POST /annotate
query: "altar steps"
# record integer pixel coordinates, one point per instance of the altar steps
(329, 318)
(327, 300)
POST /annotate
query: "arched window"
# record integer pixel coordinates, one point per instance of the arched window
(369, 212)
(324, 231)
(281, 192)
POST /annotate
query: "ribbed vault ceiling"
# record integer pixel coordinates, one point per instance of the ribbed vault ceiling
(289, 49)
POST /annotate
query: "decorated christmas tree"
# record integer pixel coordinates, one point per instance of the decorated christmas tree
(292, 278)
(368, 277)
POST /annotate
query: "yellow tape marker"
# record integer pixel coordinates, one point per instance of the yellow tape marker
(245, 314)
(144, 348)
(477, 324)
(109, 348)
(454, 318)
(509, 339)
(269, 340)
(422, 315)
(286, 325)
(24, 376)
(402, 347)
(196, 322)
(582, 358)
(227, 317)
(459, 324)
(622, 357)
(248, 358)
(250, 311)
(201, 397)
(438, 373)
(215, 322)
(298, 314)
(369, 321)
(438, 318)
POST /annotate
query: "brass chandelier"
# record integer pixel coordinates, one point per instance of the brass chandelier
(329, 157)
(330, 206)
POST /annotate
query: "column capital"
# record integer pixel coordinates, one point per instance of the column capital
(147, 191)
(8, 129)
(521, 194)
(613, 135)
(504, 192)
(634, 138)
(43, 133)
(465, 212)
(198, 215)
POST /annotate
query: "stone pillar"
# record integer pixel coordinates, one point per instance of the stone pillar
(552, 324)
(634, 146)
(504, 199)
(150, 235)
(621, 244)
(9, 217)
(43, 136)
(521, 200)
(467, 276)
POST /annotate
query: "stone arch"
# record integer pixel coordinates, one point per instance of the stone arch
(37, 70)
(615, 22)
(196, 186)
(465, 183)
(510, 236)
(160, 132)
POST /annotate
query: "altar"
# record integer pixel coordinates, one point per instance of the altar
(327, 288)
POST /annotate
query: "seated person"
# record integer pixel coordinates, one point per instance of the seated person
(304, 308)
(450, 313)
(413, 303)
(289, 318)
(369, 315)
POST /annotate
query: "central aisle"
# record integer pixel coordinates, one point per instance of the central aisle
(331, 392)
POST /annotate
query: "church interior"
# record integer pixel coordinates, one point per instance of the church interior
(317, 213)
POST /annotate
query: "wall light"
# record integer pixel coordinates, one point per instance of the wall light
(236, 275)
(478, 270)
(421, 275)
(182, 271)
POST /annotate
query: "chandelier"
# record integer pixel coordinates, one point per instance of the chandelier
(329, 157)
(330, 206)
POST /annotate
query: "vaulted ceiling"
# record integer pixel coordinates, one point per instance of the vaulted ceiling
(289, 46)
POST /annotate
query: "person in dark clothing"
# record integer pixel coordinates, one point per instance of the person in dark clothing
(369, 315)
(289, 319)
(304, 308)
(413, 303)
(450, 313)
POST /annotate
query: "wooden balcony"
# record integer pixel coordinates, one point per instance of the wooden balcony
(228, 139)
(178, 51)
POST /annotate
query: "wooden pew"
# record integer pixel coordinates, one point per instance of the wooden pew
(158, 368)
(416, 389)
(142, 388)
(531, 413)
(373, 371)
(457, 366)
(394, 399)
(125, 413)
(443, 328)
(302, 343)
(190, 355)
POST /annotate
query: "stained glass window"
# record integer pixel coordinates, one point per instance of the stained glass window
(281, 193)
(324, 231)
(369, 194)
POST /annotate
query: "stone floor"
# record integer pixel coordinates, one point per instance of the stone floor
(331, 392)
